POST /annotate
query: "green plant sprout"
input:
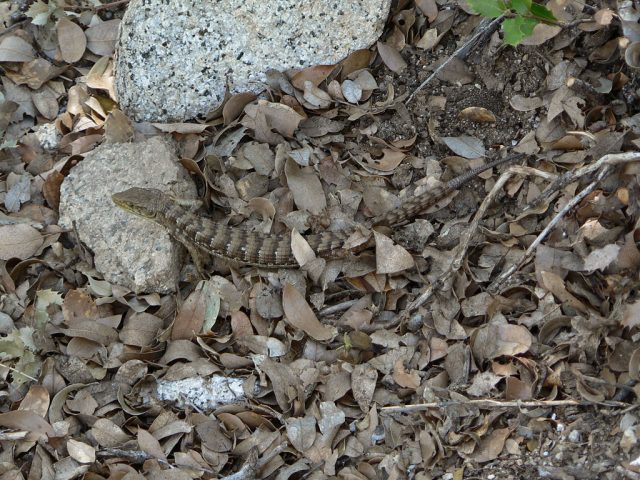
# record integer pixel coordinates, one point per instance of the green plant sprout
(522, 16)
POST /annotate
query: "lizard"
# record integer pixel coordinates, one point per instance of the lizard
(238, 244)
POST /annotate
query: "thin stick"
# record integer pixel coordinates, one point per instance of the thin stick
(495, 286)
(18, 372)
(463, 246)
(605, 166)
(484, 28)
(573, 175)
(492, 404)
(340, 307)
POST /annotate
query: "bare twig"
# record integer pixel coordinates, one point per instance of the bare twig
(484, 30)
(463, 246)
(495, 286)
(15, 26)
(604, 165)
(18, 372)
(572, 175)
(492, 404)
(340, 307)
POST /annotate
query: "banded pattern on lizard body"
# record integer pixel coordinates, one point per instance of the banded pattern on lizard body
(232, 243)
(267, 250)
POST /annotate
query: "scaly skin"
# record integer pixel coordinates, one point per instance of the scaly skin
(267, 250)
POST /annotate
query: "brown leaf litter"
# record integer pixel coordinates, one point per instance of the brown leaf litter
(498, 331)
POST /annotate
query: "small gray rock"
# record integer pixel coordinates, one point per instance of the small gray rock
(174, 57)
(128, 250)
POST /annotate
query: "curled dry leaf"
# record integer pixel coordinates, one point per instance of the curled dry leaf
(298, 313)
(234, 107)
(525, 104)
(429, 40)
(478, 115)
(390, 160)
(315, 96)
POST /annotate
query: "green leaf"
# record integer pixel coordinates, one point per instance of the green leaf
(543, 13)
(521, 7)
(517, 29)
(488, 8)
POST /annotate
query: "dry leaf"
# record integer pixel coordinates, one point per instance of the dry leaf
(490, 446)
(601, 258)
(429, 8)
(301, 432)
(235, 105)
(390, 258)
(391, 57)
(71, 40)
(299, 314)
(15, 49)
(150, 445)
(101, 38)
(315, 74)
(200, 309)
(19, 241)
(478, 114)
(118, 127)
(429, 40)
(465, 146)
(306, 187)
(363, 384)
(494, 340)
(525, 104)
(81, 452)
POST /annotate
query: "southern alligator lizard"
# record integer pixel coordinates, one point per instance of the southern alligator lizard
(268, 250)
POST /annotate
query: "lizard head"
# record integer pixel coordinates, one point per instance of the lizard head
(144, 202)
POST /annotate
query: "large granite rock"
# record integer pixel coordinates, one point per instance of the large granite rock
(174, 57)
(128, 250)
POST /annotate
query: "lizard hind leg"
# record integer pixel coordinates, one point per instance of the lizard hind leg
(200, 260)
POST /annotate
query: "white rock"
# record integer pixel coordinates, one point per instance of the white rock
(174, 57)
(128, 250)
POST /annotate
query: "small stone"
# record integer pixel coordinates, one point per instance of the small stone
(575, 436)
(128, 250)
